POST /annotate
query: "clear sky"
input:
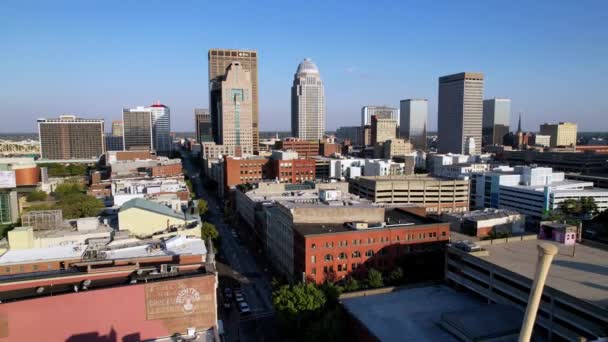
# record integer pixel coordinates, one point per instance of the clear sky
(92, 58)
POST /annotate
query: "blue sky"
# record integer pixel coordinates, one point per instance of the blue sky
(92, 58)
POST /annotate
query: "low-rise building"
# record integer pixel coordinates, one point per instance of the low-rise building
(580, 162)
(481, 223)
(461, 171)
(125, 189)
(564, 233)
(305, 148)
(146, 218)
(437, 195)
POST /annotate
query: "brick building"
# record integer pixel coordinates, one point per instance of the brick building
(333, 251)
(292, 171)
(327, 149)
(305, 148)
(166, 170)
(244, 170)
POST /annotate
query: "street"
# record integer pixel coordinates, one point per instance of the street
(237, 266)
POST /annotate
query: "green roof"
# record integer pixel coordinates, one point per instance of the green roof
(157, 208)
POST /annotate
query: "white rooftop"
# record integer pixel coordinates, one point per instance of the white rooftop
(178, 245)
(20, 256)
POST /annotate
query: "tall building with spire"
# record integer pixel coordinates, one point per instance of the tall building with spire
(231, 108)
(460, 112)
(219, 60)
(307, 102)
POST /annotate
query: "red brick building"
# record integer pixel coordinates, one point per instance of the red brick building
(305, 148)
(166, 170)
(327, 149)
(244, 170)
(334, 251)
(293, 171)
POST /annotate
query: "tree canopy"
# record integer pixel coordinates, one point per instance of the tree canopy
(374, 278)
(36, 195)
(208, 231)
(202, 207)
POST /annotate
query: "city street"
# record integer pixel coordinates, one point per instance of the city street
(237, 266)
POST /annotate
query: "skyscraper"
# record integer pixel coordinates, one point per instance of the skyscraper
(496, 118)
(232, 108)
(69, 138)
(413, 116)
(562, 134)
(219, 60)
(383, 129)
(460, 113)
(137, 125)
(161, 128)
(202, 125)
(381, 112)
(307, 102)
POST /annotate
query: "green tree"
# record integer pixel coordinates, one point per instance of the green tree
(297, 305)
(202, 206)
(396, 276)
(570, 207)
(78, 205)
(588, 206)
(67, 189)
(36, 195)
(351, 284)
(374, 278)
(208, 231)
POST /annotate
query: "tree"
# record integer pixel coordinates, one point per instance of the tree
(588, 206)
(66, 189)
(396, 276)
(374, 278)
(297, 305)
(36, 195)
(570, 207)
(202, 206)
(208, 231)
(351, 284)
(78, 205)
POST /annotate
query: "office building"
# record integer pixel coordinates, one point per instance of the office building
(202, 125)
(383, 130)
(562, 134)
(460, 113)
(568, 161)
(232, 107)
(117, 129)
(437, 195)
(305, 148)
(71, 138)
(532, 191)
(352, 133)
(381, 112)
(161, 128)
(496, 120)
(114, 142)
(540, 140)
(138, 129)
(413, 122)
(307, 102)
(219, 60)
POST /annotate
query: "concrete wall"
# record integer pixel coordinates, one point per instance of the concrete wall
(321, 214)
(143, 223)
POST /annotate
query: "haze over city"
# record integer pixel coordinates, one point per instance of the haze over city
(92, 59)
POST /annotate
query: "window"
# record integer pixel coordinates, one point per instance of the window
(313, 271)
(369, 253)
(356, 254)
(342, 255)
(342, 268)
(313, 246)
(382, 252)
(7, 269)
(313, 259)
(35, 267)
(329, 257)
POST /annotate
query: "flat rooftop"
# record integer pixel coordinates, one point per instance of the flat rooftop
(19, 256)
(415, 314)
(402, 178)
(584, 276)
(178, 245)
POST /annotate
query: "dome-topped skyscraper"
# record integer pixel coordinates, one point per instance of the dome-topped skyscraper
(307, 102)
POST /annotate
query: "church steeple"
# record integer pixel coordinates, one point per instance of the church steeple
(519, 124)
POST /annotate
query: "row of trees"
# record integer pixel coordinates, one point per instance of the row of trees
(71, 199)
(62, 170)
(573, 210)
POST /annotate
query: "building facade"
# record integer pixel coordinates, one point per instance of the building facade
(138, 129)
(460, 113)
(161, 128)
(562, 134)
(202, 125)
(232, 107)
(219, 60)
(69, 138)
(496, 120)
(117, 128)
(437, 195)
(114, 142)
(383, 130)
(381, 112)
(412, 125)
(305, 148)
(307, 102)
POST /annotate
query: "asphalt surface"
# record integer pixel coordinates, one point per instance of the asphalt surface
(237, 267)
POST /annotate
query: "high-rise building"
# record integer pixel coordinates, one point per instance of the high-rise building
(117, 128)
(413, 116)
(383, 129)
(232, 107)
(220, 59)
(496, 118)
(137, 125)
(69, 138)
(202, 125)
(381, 112)
(460, 113)
(114, 142)
(562, 134)
(161, 127)
(307, 102)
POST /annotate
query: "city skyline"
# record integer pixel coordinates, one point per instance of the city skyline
(55, 69)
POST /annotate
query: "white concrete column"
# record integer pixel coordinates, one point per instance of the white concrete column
(546, 252)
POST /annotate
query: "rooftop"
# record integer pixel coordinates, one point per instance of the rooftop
(178, 245)
(19, 256)
(154, 207)
(415, 314)
(486, 214)
(584, 276)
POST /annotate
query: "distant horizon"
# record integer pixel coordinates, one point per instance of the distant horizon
(546, 56)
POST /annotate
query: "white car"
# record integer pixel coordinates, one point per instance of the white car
(239, 297)
(244, 308)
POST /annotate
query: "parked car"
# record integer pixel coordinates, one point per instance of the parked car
(244, 308)
(239, 297)
(228, 293)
